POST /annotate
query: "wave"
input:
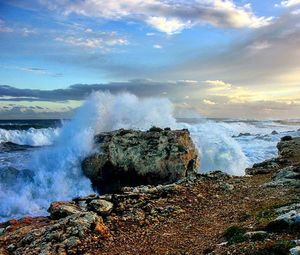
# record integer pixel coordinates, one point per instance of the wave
(57, 171)
(32, 136)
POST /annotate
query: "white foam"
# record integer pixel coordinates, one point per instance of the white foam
(57, 171)
(32, 136)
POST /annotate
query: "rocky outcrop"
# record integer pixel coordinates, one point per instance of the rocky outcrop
(288, 176)
(289, 149)
(288, 155)
(132, 158)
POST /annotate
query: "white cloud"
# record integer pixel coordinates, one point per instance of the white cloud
(169, 26)
(288, 3)
(102, 41)
(217, 85)
(157, 46)
(165, 15)
(209, 102)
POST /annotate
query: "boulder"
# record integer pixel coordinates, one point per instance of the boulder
(132, 158)
(289, 149)
(101, 206)
(60, 210)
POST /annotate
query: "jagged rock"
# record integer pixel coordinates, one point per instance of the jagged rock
(101, 206)
(60, 236)
(60, 210)
(287, 222)
(290, 149)
(288, 154)
(132, 158)
(288, 176)
(264, 167)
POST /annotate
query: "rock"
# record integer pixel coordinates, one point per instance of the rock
(286, 138)
(60, 210)
(132, 158)
(62, 235)
(288, 176)
(295, 250)
(289, 148)
(256, 235)
(274, 132)
(215, 175)
(296, 242)
(101, 206)
(287, 222)
(264, 167)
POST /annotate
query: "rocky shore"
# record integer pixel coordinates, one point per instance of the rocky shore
(170, 209)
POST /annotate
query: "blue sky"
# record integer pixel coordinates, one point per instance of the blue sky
(213, 57)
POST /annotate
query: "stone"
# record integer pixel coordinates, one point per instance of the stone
(60, 210)
(265, 167)
(62, 235)
(101, 206)
(290, 149)
(287, 222)
(288, 176)
(215, 175)
(295, 250)
(133, 158)
(256, 235)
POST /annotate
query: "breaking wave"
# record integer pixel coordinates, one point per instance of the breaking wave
(54, 173)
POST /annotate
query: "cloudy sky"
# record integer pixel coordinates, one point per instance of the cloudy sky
(216, 58)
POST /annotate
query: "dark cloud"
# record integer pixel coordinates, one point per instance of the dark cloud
(21, 112)
(81, 91)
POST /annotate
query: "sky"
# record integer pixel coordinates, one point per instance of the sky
(213, 58)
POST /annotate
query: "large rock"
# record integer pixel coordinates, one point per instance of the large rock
(289, 149)
(132, 158)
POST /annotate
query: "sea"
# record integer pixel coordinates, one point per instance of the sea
(40, 160)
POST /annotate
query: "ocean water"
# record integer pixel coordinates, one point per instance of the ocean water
(40, 159)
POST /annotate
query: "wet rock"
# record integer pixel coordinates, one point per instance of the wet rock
(132, 158)
(101, 206)
(274, 132)
(60, 210)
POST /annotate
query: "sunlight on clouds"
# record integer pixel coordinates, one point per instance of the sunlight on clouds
(166, 16)
(209, 102)
(169, 26)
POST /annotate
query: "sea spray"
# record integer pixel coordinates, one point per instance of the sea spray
(219, 151)
(56, 171)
